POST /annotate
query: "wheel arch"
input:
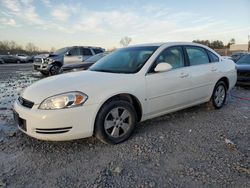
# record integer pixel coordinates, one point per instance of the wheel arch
(57, 63)
(225, 80)
(125, 97)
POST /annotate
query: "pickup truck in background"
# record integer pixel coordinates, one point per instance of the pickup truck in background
(51, 64)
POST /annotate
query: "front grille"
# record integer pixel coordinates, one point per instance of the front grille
(243, 73)
(53, 130)
(25, 103)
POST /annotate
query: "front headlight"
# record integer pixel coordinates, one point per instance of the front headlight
(64, 100)
(48, 61)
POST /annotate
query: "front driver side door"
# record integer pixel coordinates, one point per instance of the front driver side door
(73, 56)
(169, 90)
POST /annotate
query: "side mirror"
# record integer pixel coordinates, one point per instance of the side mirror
(67, 54)
(163, 67)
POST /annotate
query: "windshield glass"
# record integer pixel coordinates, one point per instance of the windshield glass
(244, 60)
(126, 60)
(61, 51)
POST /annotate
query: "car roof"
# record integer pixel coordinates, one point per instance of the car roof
(94, 47)
(168, 44)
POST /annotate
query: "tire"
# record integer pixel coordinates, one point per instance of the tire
(18, 62)
(55, 69)
(110, 126)
(219, 95)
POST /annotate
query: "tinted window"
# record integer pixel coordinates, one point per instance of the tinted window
(97, 51)
(213, 57)
(125, 60)
(86, 51)
(197, 55)
(244, 60)
(74, 51)
(172, 55)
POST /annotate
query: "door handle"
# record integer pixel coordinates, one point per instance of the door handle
(213, 69)
(184, 75)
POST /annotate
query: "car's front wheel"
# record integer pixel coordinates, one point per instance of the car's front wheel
(219, 95)
(55, 69)
(115, 122)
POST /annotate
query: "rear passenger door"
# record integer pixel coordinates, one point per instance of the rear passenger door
(202, 73)
(85, 53)
(73, 56)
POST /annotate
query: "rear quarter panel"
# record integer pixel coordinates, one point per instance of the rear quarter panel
(227, 68)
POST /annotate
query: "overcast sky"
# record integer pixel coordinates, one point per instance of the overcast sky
(103, 23)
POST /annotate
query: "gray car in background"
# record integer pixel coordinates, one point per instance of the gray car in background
(52, 63)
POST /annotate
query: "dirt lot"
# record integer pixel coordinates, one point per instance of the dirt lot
(197, 147)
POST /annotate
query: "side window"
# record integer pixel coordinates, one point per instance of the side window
(74, 52)
(213, 57)
(86, 51)
(97, 51)
(173, 56)
(197, 55)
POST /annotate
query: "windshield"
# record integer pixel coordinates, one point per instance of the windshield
(126, 60)
(244, 60)
(61, 51)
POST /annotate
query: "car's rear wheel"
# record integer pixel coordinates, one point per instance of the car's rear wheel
(219, 95)
(115, 122)
(55, 69)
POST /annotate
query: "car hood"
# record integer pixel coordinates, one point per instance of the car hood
(41, 56)
(243, 67)
(87, 82)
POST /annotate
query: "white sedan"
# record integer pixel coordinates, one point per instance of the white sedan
(130, 85)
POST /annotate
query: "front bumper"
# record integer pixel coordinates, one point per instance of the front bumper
(243, 78)
(41, 67)
(56, 125)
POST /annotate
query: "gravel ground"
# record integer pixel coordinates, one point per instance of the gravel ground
(196, 147)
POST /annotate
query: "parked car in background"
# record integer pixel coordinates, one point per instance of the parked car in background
(30, 59)
(53, 62)
(11, 59)
(85, 64)
(1, 61)
(227, 57)
(237, 55)
(130, 85)
(23, 57)
(243, 70)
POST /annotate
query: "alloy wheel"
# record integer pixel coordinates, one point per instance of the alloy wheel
(219, 95)
(117, 122)
(54, 69)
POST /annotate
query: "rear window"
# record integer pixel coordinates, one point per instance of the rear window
(86, 51)
(213, 57)
(197, 55)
